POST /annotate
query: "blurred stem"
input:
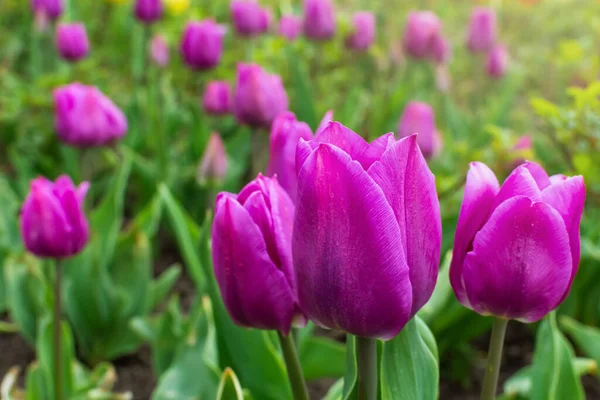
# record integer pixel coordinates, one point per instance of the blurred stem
(294, 370)
(490, 382)
(366, 353)
(154, 85)
(56, 326)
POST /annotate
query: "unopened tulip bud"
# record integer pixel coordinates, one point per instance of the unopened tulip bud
(290, 26)
(319, 19)
(421, 30)
(148, 11)
(441, 52)
(249, 18)
(50, 9)
(497, 62)
(481, 35)
(202, 44)
(72, 41)
(364, 31)
(213, 166)
(419, 118)
(159, 50)
(217, 98)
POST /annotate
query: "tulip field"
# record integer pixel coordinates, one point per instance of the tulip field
(299, 199)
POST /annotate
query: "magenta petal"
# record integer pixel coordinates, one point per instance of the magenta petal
(519, 183)
(539, 175)
(520, 266)
(303, 150)
(409, 187)
(344, 138)
(327, 118)
(480, 191)
(254, 291)
(348, 258)
(376, 149)
(568, 198)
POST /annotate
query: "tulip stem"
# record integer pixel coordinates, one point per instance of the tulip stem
(366, 353)
(294, 370)
(56, 326)
(490, 382)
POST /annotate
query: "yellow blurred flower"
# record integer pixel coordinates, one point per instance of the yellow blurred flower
(176, 7)
(118, 1)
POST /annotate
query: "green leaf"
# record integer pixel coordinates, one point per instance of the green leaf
(409, 367)
(45, 352)
(302, 93)
(35, 384)
(229, 387)
(161, 287)
(336, 391)
(351, 377)
(587, 338)
(553, 375)
(322, 358)
(441, 294)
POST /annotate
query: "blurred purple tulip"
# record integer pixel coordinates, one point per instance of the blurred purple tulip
(523, 143)
(202, 44)
(319, 19)
(497, 62)
(259, 96)
(52, 221)
(213, 166)
(441, 52)
(51, 9)
(516, 249)
(252, 255)
(216, 99)
(84, 117)
(285, 133)
(419, 118)
(249, 18)
(367, 231)
(422, 29)
(481, 35)
(159, 50)
(72, 41)
(363, 34)
(148, 11)
(290, 26)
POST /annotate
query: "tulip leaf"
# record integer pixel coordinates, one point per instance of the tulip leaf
(229, 387)
(553, 374)
(336, 391)
(35, 384)
(161, 287)
(45, 352)
(322, 358)
(302, 94)
(441, 294)
(409, 364)
(587, 338)
(351, 377)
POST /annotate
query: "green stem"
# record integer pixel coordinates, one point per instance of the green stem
(366, 353)
(56, 325)
(294, 369)
(490, 382)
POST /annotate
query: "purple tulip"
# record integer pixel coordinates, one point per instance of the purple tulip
(148, 11)
(213, 166)
(202, 44)
(252, 255)
(290, 26)
(72, 41)
(217, 98)
(159, 50)
(441, 52)
(421, 31)
(418, 118)
(319, 19)
(285, 133)
(516, 249)
(52, 220)
(367, 231)
(497, 62)
(259, 96)
(327, 118)
(364, 31)
(51, 9)
(249, 19)
(481, 34)
(84, 117)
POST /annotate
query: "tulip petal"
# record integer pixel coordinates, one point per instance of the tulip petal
(519, 183)
(327, 118)
(254, 291)
(348, 258)
(376, 149)
(568, 198)
(520, 264)
(480, 191)
(303, 150)
(539, 175)
(344, 138)
(409, 187)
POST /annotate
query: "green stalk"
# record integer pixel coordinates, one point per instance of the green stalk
(366, 354)
(490, 382)
(56, 326)
(294, 370)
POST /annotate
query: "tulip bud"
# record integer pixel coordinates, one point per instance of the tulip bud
(72, 41)
(249, 18)
(285, 133)
(516, 249)
(52, 220)
(418, 118)
(51, 9)
(481, 35)
(148, 11)
(159, 51)
(84, 117)
(364, 31)
(259, 96)
(497, 62)
(440, 49)
(290, 26)
(443, 80)
(421, 30)
(252, 255)
(319, 19)
(213, 166)
(367, 231)
(217, 98)
(202, 44)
